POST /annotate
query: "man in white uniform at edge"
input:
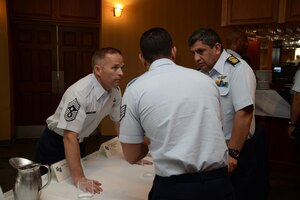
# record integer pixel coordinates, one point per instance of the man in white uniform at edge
(294, 123)
(178, 110)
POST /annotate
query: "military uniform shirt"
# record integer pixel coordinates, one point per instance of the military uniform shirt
(233, 53)
(237, 84)
(296, 85)
(83, 106)
(183, 125)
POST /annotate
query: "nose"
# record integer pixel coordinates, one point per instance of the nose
(197, 57)
(120, 72)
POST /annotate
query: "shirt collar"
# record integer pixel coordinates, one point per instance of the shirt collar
(160, 62)
(99, 90)
(219, 65)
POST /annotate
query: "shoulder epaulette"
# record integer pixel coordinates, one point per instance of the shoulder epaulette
(233, 60)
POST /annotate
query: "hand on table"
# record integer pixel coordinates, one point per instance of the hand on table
(144, 162)
(88, 187)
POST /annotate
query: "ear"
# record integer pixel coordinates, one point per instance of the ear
(142, 59)
(174, 50)
(218, 48)
(97, 69)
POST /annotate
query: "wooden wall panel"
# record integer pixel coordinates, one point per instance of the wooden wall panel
(56, 10)
(34, 59)
(32, 8)
(237, 12)
(293, 10)
(79, 9)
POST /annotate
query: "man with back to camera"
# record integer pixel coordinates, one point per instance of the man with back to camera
(236, 82)
(173, 107)
(237, 44)
(82, 107)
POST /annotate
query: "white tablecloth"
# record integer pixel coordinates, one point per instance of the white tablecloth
(270, 103)
(120, 180)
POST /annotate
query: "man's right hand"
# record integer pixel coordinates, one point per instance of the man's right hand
(291, 131)
(232, 162)
(96, 185)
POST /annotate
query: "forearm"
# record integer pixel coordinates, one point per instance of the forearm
(240, 129)
(134, 152)
(117, 127)
(72, 153)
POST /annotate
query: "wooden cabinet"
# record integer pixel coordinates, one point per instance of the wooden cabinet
(292, 9)
(52, 44)
(47, 59)
(61, 10)
(237, 12)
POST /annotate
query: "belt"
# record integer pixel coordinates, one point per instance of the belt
(190, 177)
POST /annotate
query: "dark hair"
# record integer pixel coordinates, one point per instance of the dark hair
(101, 53)
(156, 43)
(206, 36)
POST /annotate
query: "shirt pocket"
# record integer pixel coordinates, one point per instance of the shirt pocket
(224, 91)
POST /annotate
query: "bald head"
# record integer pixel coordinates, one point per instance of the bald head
(237, 41)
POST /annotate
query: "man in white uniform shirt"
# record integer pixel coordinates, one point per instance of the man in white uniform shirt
(82, 107)
(237, 84)
(178, 110)
(294, 123)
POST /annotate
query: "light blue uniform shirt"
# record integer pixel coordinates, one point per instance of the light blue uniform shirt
(296, 85)
(178, 109)
(83, 106)
(237, 85)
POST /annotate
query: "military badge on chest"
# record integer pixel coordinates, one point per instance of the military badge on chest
(222, 81)
(72, 110)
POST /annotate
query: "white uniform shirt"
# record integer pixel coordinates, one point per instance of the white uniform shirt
(237, 85)
(233, 53)
(296, 85)
(178, 109)
(83, 106)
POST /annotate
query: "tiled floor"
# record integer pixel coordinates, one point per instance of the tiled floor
(283, 185)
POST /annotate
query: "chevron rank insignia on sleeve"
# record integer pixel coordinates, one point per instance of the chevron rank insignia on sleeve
(72, 110)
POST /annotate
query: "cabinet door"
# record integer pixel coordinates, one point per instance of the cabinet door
(236, 12)
(76, 47)
(79, 10)
(31, 9)
(40, 75)
(34, 58)
(292, 10)
(87, 11)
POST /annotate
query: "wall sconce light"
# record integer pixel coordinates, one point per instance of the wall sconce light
(118, 10)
